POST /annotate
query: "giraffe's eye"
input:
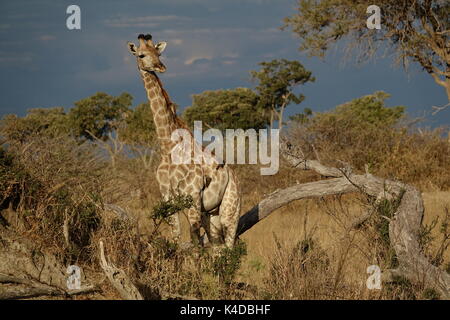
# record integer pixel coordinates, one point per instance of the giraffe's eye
(141, 56)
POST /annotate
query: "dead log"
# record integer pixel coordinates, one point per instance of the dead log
(118, 278)
(404, 226)
(20, 288)
(19, 292)
(28, 271)
(22, 258)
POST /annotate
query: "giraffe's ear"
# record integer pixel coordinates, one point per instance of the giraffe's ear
(132, 48)
(161, 46)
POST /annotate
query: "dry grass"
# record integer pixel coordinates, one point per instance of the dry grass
(303, 251)
(50, 182)
(337, 262)
(349, 253)
(417, 157)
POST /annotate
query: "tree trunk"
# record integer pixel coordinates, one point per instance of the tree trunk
(118, 278)
(404, 227)
(280, 118)
(447, 88)
(444, 83)
(27, 271)
(281, 113)
(271, 119)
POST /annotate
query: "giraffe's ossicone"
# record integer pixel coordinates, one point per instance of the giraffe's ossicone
(214, 188)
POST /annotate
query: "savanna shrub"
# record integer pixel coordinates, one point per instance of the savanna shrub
(364, 132)
(51, 182)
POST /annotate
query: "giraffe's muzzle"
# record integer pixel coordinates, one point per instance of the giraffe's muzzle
(161, 68)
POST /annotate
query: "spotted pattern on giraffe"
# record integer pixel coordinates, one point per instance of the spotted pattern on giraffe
(214, 188)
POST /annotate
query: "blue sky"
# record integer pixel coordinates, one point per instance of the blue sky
(212, 44)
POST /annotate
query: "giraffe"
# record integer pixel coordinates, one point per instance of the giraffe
(214, 187)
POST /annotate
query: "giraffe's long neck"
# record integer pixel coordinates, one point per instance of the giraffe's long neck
(164, 114)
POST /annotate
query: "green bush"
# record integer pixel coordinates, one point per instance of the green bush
(228, 262)
(226, 109)
(166, 208)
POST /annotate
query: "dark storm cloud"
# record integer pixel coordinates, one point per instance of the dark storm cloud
(212, 44)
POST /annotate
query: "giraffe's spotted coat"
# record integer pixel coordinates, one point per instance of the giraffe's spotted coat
(214, 188)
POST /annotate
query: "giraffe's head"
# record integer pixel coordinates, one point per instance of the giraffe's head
(148, 54)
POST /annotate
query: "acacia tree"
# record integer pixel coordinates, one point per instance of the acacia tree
(48, 122)
(277, 80)
(414, 30)
(96, 116)
(138, 132)
(227, 109)
(138, 127)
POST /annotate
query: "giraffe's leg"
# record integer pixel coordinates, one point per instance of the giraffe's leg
(213, 229)
(174, 222)
(194, 217)
(230, 221)
(164, 187)
(229, 211)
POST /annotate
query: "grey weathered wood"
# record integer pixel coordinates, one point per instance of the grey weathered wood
(403, 228)
(18, 292)
(28, 271)
(21, 288)
(118, 278)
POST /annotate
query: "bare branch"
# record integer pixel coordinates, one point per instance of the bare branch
(438, 109)
(32, 288)
(403, 227)
(118, 278)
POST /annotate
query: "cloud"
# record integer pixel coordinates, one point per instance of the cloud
(197, 59)
(176, 42)
(9, 59)
(214, 2)
(121, 74)
(210, 50)
(46, 37)
(142, 22)
(231, 55)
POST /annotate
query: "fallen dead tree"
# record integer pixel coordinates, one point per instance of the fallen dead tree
(404, 226)
(20, 288)
(27, 271)
(118, 278)
(25, 274)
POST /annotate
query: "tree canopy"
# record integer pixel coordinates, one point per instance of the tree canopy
(138, 127)
(39, 121)
(415, 30)
(361, 112)
(98, 115)
(302, 117)
(360, 132)
(227, 109)
(276, 81)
